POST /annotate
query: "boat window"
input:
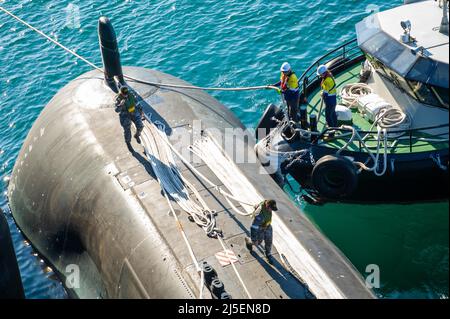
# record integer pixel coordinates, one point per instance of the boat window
(430, 72)
(440, 76)
(389, 51)
(411, 63)
(442, 95)
(403, 62)
(424, 93)
(422, 70)
(367, 28)
(374, 45)
(401, 83)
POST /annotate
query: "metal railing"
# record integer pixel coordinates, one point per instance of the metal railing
(344, 55)
(411, 135)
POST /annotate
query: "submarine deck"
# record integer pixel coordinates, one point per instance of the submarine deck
(329, 272)
(260, 278)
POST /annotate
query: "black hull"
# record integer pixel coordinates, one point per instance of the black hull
(408, 177)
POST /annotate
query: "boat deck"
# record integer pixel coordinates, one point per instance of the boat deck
(405, 144)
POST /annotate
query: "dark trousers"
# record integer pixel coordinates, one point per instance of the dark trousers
(330, 110)
(259, 234)
(125, 121)
(292, 100)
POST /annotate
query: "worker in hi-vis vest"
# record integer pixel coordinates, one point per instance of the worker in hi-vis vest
(289, 87)
(129, 111)
(328, 86)
(261, 229)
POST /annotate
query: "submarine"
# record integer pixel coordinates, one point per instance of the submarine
(101, 214)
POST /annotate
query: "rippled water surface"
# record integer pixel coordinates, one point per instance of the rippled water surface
(214, 43)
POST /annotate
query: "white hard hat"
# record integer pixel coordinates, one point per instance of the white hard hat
(321, 69)
(285, 67)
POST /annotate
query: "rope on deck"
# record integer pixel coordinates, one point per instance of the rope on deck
(175, 186)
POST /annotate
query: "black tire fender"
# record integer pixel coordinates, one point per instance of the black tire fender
(267, 121)
(334, 177)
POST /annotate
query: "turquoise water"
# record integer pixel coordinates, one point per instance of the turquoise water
(215, 43)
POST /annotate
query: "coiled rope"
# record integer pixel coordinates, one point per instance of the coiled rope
(350, 93)
(391, 119)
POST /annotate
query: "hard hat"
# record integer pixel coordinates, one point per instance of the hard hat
(124, 89)
(285, 67)
(272, 204)
(321, 69)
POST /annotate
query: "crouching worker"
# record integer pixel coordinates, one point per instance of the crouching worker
(261, 229)
(129, 111)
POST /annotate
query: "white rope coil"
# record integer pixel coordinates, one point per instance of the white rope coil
(393, 118)
(350, 93)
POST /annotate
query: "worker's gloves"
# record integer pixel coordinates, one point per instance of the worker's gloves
(118, 107)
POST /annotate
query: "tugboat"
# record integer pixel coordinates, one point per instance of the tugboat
(391, 142)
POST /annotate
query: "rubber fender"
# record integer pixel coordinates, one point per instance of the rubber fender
(334, 177)
(267, 121)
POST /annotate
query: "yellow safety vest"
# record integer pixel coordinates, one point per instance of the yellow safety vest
(329, 85)
(130, 102)
(289, 82)
(265, 215)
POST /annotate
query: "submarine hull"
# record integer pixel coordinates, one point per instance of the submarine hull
(94, 210)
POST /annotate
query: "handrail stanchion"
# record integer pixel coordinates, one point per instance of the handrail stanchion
(304, 87)
(410, 141)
